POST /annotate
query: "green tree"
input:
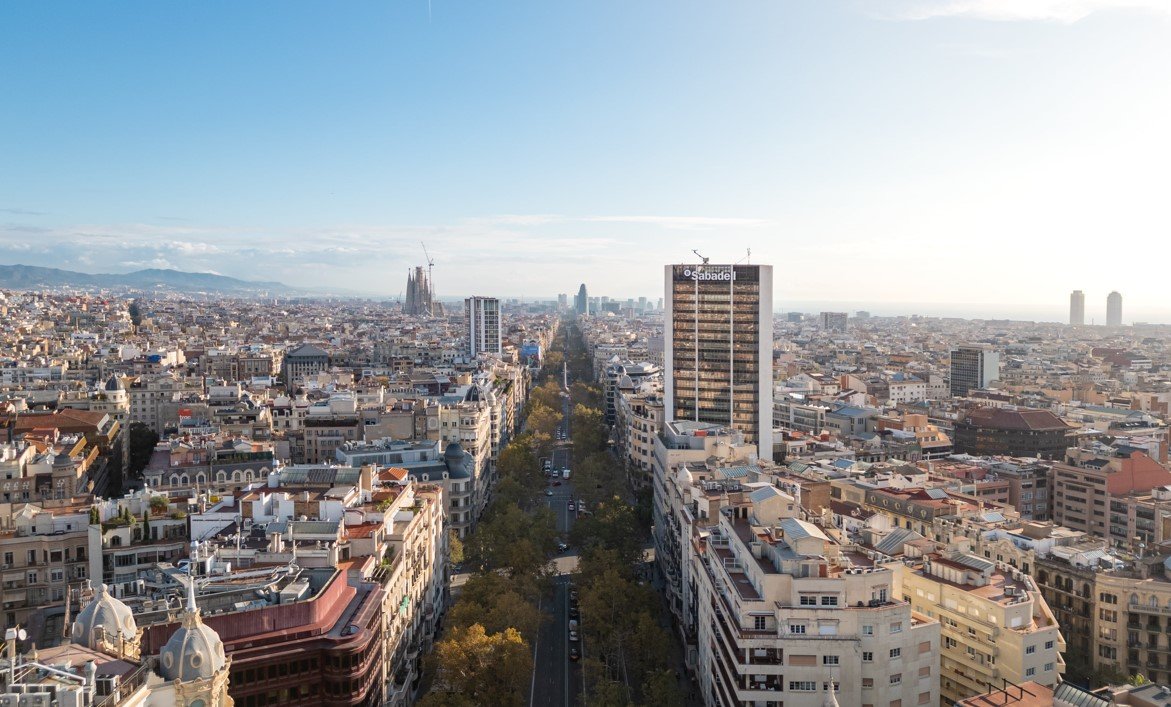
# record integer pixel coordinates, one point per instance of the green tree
(95, 517)
(613, 525)
(146, 524)
(661, 689)
(142, 445)
(496, 603)
(487, 669)
(455, 547)
(543, 420)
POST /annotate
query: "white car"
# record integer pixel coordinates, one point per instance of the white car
(548, 492)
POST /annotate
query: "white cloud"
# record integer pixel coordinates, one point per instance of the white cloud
(1024, 10)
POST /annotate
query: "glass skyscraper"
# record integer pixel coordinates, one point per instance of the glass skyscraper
(718, 348)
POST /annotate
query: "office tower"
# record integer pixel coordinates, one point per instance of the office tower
(718, 348)
(1077, 308)
(834, 321)
(1114, 309)
(642, 304)
(482, 315)
(972, 368)
(563, 301)
(581, 303)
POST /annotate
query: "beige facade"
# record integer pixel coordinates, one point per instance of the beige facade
(995, 624)
(784, 612)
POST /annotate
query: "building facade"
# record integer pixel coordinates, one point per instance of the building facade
(972, 368)
(1077, 308)
(718, 344)
(482, 319)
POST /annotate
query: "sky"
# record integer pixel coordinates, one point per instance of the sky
(990, 153)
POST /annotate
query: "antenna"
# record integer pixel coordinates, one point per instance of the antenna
(693, 250)
(747, 257)
(430, 282)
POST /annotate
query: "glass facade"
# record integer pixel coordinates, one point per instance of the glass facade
(715, 332)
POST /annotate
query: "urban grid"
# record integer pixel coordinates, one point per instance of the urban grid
(608, 353)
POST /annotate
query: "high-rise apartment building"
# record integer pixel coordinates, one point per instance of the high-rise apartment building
(972, 368)
(482, 317)
(1114, 309)
(1077, 308)
(834, 321)
(718, 345)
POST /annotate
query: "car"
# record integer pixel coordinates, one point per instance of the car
(574, 612)
(573, 595)
(572, 625)
(571, 505)
(556, 483)
(548, 492)
(573, 637)
(574, 654)
(562, 547)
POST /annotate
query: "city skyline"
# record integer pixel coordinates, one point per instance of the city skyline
(810, 157)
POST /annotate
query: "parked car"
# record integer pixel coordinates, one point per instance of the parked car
(556, 483)
(573, 637)
(572, 625)
(574, 654)
(571, 505)
(548, 492)
(574, 612)
(562, 547)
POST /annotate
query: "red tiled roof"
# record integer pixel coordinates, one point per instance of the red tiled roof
(998, 418)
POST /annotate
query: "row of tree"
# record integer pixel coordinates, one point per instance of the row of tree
(486, 656)
(626, 649)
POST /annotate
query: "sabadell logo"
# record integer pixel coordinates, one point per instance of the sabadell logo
(720, 275)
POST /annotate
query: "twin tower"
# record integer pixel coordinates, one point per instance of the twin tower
(1077, 309)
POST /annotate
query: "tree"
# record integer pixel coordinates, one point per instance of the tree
(613, 526)
(135, 311)
(511, 540)
(661, 689)
(589, 430)
(455, 547)
(497, 604)
(582, 394)
(146, 524)
(487, 669)
(543, 420)
(142, 445)
(95, 516)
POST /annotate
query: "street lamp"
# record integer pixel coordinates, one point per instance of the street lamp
(11, 636)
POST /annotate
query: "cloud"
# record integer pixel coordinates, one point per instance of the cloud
(1067, 11)
(22, 212)
(685, 223)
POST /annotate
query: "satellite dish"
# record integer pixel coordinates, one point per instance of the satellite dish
(21, 634)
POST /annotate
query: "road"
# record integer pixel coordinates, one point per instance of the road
(556, 679)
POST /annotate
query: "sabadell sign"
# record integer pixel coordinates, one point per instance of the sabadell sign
(708, 275)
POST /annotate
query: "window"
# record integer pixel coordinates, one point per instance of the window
(8, 559)
(1048, 645)
(1031, 672)
(797, 628)
(868, 630)
(867, 657)
(829, 601)
(896, 627)
(896, 679)
(867, 682)
(896, 652)
(829, 660)
(759, 623)
(802, 686)
(808, 600)
(1049, 667)
(1029, 650)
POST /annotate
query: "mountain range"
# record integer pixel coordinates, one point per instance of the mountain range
(23, 277)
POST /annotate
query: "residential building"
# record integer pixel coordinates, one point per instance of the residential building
(302, 361)
(995, 623)
(482, 319)
(833, 321)
(1109, 496)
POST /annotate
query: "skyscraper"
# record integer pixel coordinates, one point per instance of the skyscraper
(482, 317)
(972, 368)
(718, 348)
(581, 303)
(1077, 308)
(1114, 309)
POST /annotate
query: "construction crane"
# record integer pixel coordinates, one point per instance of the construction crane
(430, 281)
(693, 250)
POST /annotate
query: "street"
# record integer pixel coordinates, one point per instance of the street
(556, 679)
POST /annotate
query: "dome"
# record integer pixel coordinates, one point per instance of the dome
(194, 651)
(454, 452)
(104, 617)
(114, 384)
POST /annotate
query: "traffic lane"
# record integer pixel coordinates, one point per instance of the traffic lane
(548, 685)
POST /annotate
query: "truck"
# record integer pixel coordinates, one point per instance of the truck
(565, 473)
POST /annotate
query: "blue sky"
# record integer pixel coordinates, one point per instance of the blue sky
(978, 151)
